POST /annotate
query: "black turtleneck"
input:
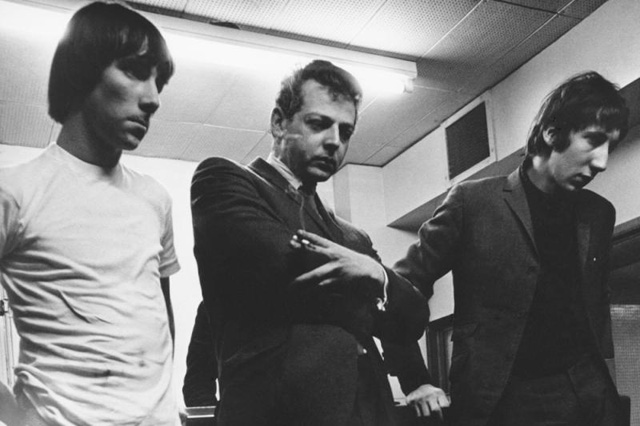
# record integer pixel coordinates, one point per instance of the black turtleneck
(555, 335)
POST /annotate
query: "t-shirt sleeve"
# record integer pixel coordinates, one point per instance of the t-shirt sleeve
(10, 224)
(169, 264)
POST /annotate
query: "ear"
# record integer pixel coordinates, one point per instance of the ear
(277, 123)
(550, 134)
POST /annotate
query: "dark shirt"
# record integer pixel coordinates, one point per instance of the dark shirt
(555, 335)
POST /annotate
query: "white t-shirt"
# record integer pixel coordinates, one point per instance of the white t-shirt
(82, 251)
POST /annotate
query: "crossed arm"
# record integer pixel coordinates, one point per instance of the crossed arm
(344, 266)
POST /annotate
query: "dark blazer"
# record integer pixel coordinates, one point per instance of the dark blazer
(199, 386)
(286, 356)
(484, 234)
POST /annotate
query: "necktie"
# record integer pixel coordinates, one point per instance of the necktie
(308, 193)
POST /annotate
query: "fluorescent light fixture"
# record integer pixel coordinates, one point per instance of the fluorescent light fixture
(197, 41)
(277, 55)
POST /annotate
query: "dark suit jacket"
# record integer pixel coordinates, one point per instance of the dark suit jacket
(484, 234)
(199, 386)
(286, 355)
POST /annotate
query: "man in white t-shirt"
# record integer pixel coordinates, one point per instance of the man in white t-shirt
(86, 244)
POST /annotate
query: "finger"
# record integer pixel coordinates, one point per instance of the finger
(315, 239)
(426, 412)
(416, 408)
(299, 243)
(316, 275)
(443, 401)
(435, 409)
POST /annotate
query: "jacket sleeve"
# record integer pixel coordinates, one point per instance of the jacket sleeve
(199, 387)
(428, 259)
(241, 245)
(433, 255)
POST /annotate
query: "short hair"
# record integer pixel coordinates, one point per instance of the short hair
(584, 100)
(338, 81)
(96, 35)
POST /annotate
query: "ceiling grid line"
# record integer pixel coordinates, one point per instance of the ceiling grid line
(480, 2)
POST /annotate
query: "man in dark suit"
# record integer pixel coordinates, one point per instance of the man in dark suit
(529, 254)
(292, 354)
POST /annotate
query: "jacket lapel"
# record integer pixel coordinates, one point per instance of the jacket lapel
(306, 215)
(516, 199)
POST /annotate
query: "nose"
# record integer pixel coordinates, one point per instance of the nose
(332, 138)
(600, 157)
(150, 98)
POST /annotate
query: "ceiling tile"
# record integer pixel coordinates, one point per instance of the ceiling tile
(576, 8)
(395, 115)
(490, 30)
(168, 7)
(383, 156)
(548, 5)
(490, 75)
(482, 38)
(412, 27)
(341, 20)
(240, 12)
(583, 8)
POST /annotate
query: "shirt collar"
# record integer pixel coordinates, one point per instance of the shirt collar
(284, 171)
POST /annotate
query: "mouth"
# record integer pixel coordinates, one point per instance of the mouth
(144, 122)
(325, 163)
(583, 180)
(141, 128)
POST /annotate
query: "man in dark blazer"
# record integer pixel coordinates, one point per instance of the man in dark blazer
(291, 354)
(529, 254)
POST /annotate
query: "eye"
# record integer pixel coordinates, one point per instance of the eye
(136, 67)
(346, 131)
(318, 124)
(596, 139)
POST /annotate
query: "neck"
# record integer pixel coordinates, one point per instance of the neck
(539, 176)
(79, 142)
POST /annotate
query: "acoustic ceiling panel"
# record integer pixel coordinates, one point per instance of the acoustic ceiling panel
(519, 54)
(583, 8)
(240, 12)
(573, 8)
(490, 30)
(168, 7)
(412, 27)
(382, 156)
(341, 19)
(396, 115)
(548, 5)
(432, 120)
